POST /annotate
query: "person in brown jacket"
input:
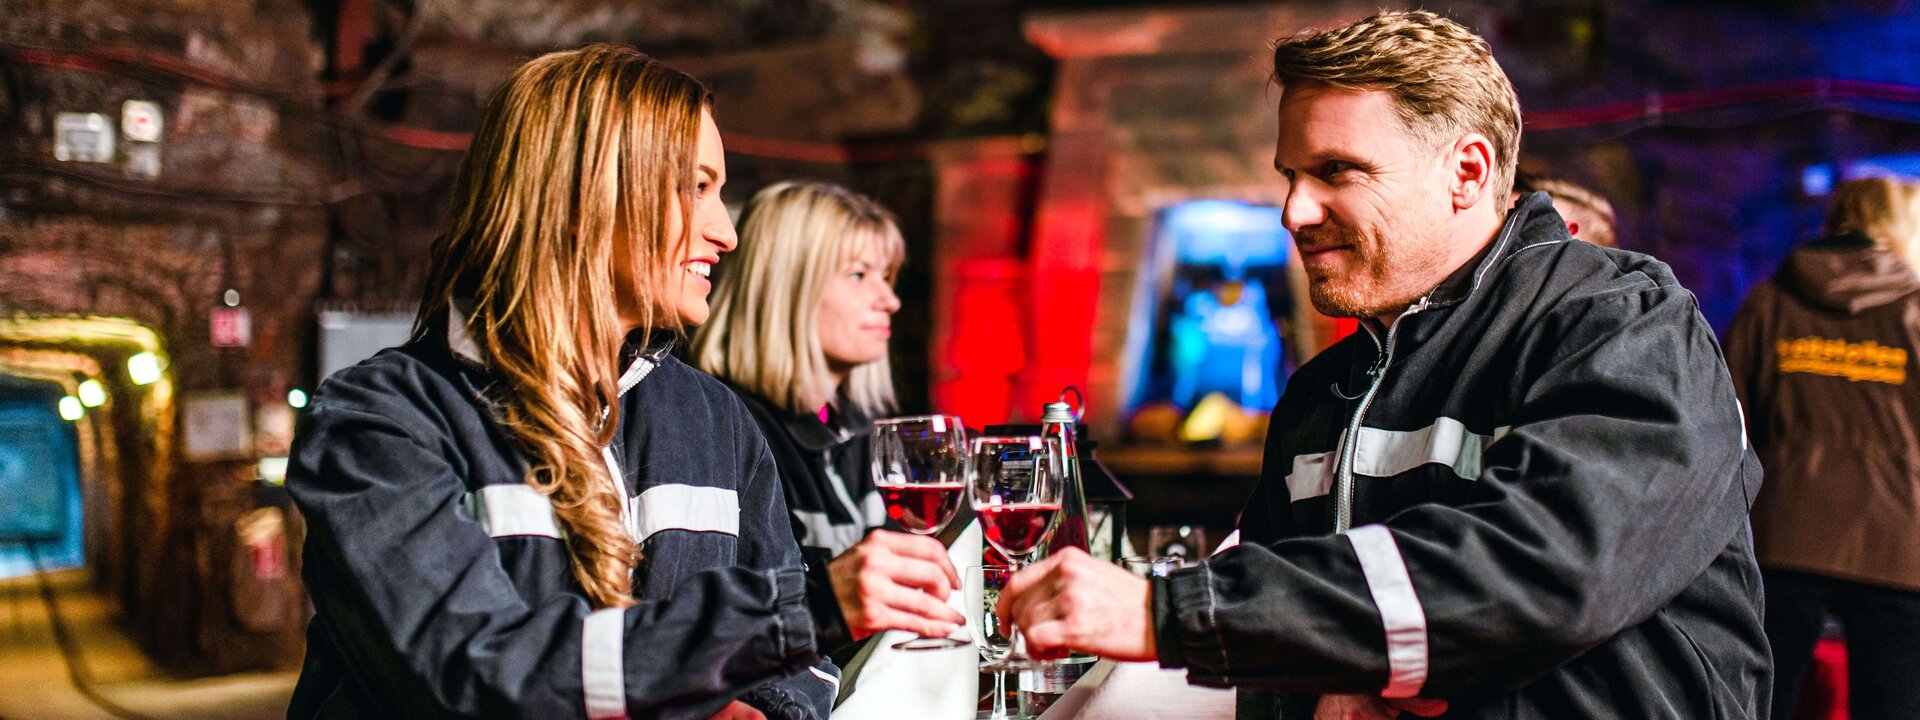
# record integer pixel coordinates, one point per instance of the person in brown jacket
(1822, 357)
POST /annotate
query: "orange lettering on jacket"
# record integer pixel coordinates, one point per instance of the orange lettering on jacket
(1867, 361)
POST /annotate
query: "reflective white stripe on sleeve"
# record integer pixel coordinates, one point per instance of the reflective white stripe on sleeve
(603, 676)
(506, 510)
(827, 676)
(822, 533)
(1400, 611)
(873, 509)
(686, 507)
(1741, 411)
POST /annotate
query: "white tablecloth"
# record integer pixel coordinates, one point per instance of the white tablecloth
(938, 685)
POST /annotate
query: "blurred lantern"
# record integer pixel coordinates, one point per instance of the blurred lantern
(70, 409)
(92, 393)
(144, 368)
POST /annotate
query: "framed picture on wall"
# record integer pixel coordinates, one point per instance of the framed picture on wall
(215, 426)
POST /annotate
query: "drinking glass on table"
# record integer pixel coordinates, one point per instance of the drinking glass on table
(1014, 486)
(920, 469)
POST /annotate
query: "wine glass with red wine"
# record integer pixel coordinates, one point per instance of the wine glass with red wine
(1014, 486)
(920, 469)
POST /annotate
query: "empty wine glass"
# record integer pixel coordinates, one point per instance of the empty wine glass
(920, 470)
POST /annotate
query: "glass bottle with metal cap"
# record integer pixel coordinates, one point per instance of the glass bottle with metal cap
(1057, 428)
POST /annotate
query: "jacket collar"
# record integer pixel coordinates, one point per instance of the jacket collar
(810, 433)
(1531, 223)
(639, 354)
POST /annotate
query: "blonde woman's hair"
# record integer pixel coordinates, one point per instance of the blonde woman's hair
(1443, 79)
(573, 146)
(1882, 209)
(1573, 201)
(764, 335)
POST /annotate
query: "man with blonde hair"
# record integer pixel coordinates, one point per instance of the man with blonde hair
(1521, 493)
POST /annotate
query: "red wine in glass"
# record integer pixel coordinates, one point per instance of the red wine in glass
(1017, 529)
(922, 509)
(1015, 487)
(920, 469)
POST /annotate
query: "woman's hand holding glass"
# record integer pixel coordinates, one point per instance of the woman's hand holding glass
(895, 581)
(920, 469)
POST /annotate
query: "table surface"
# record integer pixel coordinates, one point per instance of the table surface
(1142, 691)
(1139, 691)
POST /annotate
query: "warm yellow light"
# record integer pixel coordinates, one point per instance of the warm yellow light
(297, 398)
(92, 393)
(144, 368)
(70, 409)
(273, 470)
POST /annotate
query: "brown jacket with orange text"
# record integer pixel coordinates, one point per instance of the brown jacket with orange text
(1822, 356)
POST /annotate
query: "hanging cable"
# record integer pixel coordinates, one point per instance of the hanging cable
(77, 671)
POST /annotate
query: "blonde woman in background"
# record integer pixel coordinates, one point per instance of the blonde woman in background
(801, 320)
(1823, 358)
(1909, 250)
(1589, 216)
(531, 509)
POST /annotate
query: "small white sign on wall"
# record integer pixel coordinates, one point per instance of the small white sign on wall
(140, 121)
(216, 427)
(82, 137)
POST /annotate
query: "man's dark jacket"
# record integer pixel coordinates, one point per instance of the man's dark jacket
(1547, 483)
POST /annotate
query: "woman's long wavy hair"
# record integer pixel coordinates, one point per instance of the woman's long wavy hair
(575, 145)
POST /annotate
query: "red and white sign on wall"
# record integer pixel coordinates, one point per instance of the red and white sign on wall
(269, 558)
(231, 327)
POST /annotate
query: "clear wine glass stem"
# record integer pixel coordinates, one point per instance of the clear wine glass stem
(1000, 695)
(1016, 642)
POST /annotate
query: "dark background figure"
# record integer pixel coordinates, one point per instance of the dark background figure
(1822, 356)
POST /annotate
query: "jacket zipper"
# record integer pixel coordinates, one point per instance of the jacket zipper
(1343, 477)
(640, 368)
(620, 485)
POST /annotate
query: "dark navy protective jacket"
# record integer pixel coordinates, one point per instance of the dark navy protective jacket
(828, 482)
(1527, 497)
(442, 587)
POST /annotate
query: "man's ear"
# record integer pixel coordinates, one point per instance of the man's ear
(1470, 164)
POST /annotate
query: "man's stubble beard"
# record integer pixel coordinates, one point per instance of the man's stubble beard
(1373, 288)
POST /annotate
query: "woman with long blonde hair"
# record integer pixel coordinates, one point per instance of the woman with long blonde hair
(801, 319)
(531, 509)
